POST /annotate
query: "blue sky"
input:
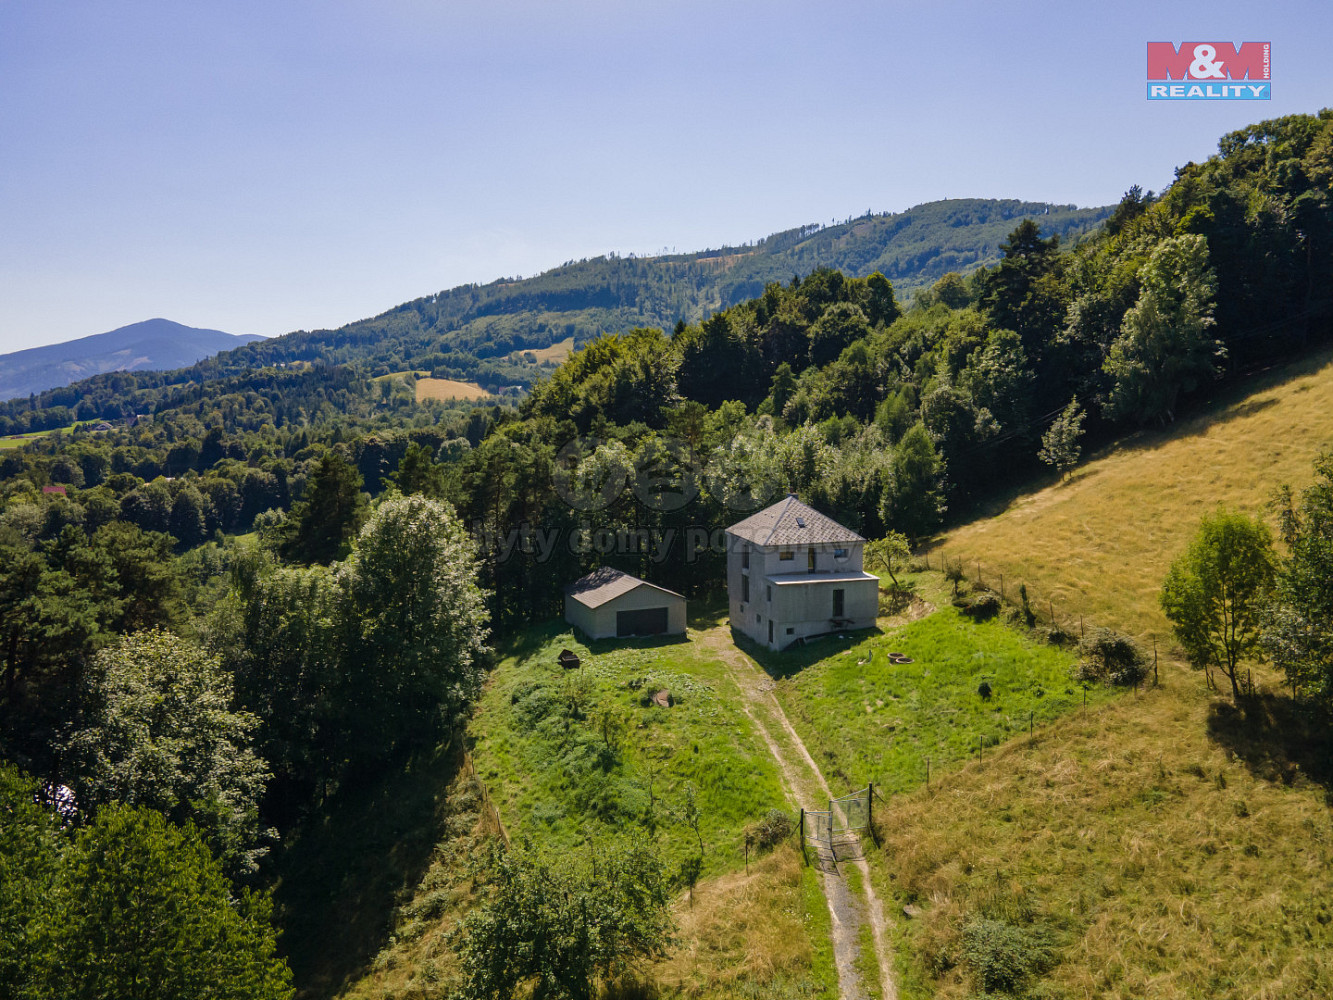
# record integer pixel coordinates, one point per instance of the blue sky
(265, 167)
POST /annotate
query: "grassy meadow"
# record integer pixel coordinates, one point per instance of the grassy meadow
(865, 718)
(1099, 544)
(448, 388)
(563, 756)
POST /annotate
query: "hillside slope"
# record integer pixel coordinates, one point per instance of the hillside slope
(152, 345)
(1099, 544)
(1164, 844)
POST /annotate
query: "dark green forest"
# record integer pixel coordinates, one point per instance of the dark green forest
(280, 536)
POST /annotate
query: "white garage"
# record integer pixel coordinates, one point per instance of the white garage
(609, 604)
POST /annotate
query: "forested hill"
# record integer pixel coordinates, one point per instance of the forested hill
(582, 299)
(461, 332)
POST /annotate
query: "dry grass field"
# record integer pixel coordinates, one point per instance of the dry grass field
(556, 352)
(1100, 543)
(447, 388)
(1165, 844)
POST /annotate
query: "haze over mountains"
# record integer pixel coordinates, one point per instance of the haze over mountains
(154, 344)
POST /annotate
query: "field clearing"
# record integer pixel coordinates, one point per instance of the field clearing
(19, 440)
(448, 388)
(868, 719)
(556, 352)
(1099, 544)
(1164, 845)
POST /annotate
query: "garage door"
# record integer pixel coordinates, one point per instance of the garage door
(647, 621)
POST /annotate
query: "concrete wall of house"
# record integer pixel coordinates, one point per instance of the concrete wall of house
(600, 622)
(808, 607)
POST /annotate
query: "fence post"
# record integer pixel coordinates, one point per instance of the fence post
(1002, 586)
(1154, 661)
(927, 773)
(1052, 604)
(870, 811)
(1031, 715)
(803, 857)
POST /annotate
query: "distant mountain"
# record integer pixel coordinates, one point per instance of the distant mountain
(455, 328)
(154, 344)
(466, 332)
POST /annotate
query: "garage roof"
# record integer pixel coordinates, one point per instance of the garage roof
(606, 584)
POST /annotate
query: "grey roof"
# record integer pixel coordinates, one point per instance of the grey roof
(606, 584)
(790, 522)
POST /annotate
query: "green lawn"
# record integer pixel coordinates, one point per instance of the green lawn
(569, 755)
(19, 440)
(865, 718)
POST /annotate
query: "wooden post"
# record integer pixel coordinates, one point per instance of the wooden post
(1002, 586)
(1052, 604)
(1154, 661)
(927, 773)
(1031, 715)
(981, 743)
(803, 857)
(1081, 636)
(870, 811)
(1085, 697)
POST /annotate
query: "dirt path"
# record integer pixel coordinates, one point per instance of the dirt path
(807, 789)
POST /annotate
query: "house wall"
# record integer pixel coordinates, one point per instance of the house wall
(600, 622)
(805, 608)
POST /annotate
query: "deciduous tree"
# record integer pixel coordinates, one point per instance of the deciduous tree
(1214, 593)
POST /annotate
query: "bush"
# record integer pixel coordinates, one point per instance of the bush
(1002, 957)
(1111, 658)
(1056, 635)
(982, 606)
(772, 830)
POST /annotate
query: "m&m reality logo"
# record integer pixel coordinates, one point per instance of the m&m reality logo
(1209, 71)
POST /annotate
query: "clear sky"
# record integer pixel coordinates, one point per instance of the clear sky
(261, 167)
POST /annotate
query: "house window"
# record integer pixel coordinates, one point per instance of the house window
(745, 589)
(810, 560)
(840, 554)
(745, 557)
(791, 631)
(770, 631)
(839, 603)
(787, 556)
(768, 593)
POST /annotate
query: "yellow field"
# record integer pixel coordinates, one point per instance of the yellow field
(448, 388)
(1099, 544)
(556, 352)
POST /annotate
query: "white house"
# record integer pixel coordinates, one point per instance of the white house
(792, 573)
(608, 604)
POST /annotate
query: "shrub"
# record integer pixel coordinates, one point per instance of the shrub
(1056, 635)
(982, 607)
(773, 829)
(1002, 957)
(1111, 657)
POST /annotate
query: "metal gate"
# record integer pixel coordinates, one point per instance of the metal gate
(846, 815)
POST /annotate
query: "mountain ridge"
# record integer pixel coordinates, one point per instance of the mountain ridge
(152, 344)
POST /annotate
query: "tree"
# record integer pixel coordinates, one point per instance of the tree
(1298, 626)
(140, 910)
(323, 523)
(30, 838)
(1214, 593)
(889, 552)
(161, 733)
(418, 473)
(561, 927)
(416, 625)
(1165, 346)
(915, 504)
(1060, 444)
